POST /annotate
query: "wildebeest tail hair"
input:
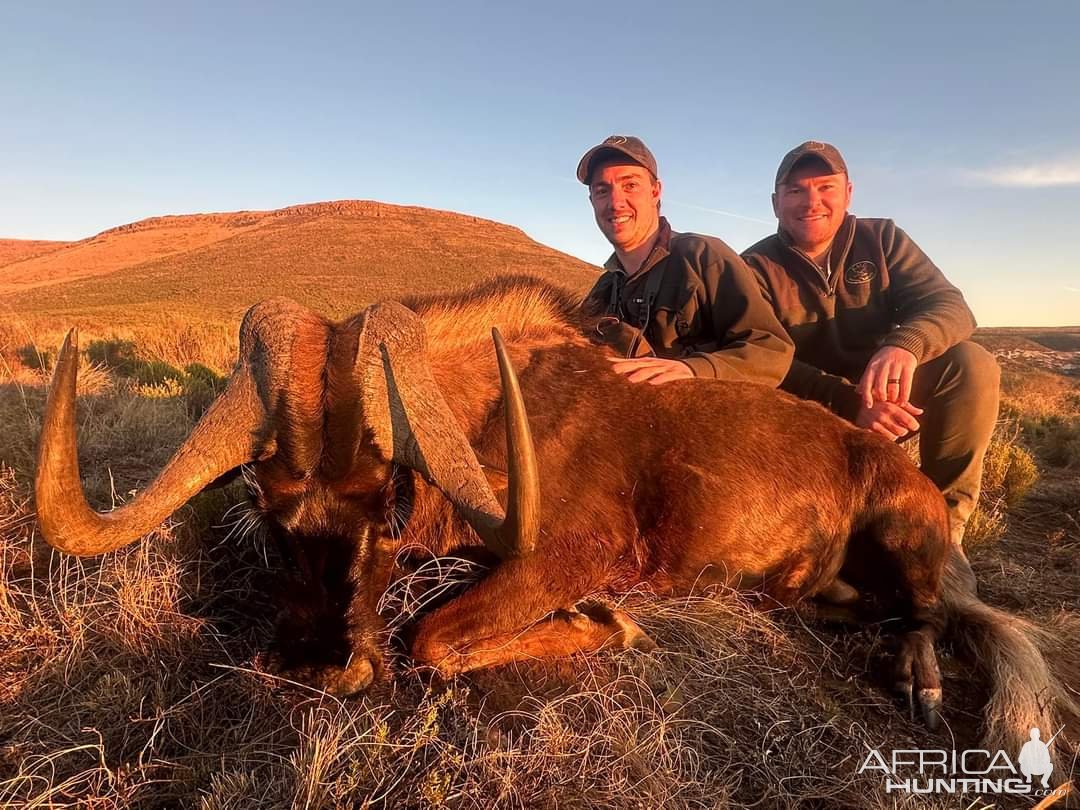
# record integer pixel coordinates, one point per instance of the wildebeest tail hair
(1031, 673)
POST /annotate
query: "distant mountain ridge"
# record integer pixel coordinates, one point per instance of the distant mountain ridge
(334, 256)
(240, 219)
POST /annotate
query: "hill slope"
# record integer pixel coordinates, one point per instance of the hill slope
(334, 256)
(17, 250)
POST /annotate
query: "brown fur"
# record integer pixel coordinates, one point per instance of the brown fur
(672, 487)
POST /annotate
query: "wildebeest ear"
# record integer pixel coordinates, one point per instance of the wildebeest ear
(409, 421)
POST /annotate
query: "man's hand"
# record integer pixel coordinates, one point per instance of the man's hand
(890, 419)
(887, 377)
(653, 370)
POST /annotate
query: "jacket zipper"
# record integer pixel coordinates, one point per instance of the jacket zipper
(830, 286)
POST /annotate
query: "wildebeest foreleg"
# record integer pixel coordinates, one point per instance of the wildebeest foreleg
(507, 617)
(560, 633)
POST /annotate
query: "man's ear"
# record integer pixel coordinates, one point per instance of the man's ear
(656, 190)
(775, 206)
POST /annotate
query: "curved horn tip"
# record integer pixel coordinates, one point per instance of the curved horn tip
(67, 362)
(522, 522)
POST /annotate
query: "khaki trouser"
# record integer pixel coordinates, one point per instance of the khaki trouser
(958, 392)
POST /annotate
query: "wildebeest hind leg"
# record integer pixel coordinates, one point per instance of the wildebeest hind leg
(915, 535)
(507, 617)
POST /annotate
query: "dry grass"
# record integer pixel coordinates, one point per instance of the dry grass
(138, 679)
(1009, 473)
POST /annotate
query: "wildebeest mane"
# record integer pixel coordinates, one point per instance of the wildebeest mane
(526, 310)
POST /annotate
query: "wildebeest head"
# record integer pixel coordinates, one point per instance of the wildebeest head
(325, 413)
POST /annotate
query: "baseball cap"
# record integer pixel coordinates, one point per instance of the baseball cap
(825, 152)
(625, 145)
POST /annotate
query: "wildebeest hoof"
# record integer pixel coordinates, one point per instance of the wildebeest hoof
(628, 634)
(918, 678)
(634, 638)
(930, 704)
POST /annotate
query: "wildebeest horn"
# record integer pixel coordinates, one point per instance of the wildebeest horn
(411, 423)
(222, 440)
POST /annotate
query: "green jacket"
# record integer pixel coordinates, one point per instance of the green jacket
(882, 291)
(708, 311)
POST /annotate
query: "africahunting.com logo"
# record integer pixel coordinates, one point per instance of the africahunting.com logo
(936, 770)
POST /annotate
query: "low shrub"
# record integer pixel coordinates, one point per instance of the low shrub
(34, 358)
(1057, 436)
(201, 386)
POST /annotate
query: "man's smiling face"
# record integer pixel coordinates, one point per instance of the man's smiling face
(625, 198)
(811, 204)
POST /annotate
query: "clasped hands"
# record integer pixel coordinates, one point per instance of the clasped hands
(884, 388)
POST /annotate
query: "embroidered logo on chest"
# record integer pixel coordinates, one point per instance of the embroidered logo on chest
(860, 273)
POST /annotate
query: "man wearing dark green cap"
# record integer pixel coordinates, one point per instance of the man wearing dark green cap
(677, 305)
(880, 334)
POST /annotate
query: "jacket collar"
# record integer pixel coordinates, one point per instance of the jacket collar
(661, 250)
(838, 250)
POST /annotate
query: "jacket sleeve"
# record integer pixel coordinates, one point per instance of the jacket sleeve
(597, 299)
(931, 313)
(753, 346)
(834, 392)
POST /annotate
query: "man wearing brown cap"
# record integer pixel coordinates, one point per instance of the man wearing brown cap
(678, 305)
(880, 334)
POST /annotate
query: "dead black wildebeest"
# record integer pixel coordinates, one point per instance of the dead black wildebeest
(400, 426)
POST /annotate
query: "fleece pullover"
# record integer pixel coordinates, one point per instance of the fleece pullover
(878, 289)
(707, 312)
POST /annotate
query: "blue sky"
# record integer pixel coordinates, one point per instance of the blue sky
(961, 121)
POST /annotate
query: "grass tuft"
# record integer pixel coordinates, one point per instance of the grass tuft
(1009, 473)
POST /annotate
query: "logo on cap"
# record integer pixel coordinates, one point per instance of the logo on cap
(860, 273)
(815, 146)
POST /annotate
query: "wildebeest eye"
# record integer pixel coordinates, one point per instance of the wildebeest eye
(403, 500)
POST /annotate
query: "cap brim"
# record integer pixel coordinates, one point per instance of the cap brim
(586, 162)
(831, 165)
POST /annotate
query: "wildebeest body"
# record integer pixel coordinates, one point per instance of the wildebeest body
(679, 486)
(364, 439)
